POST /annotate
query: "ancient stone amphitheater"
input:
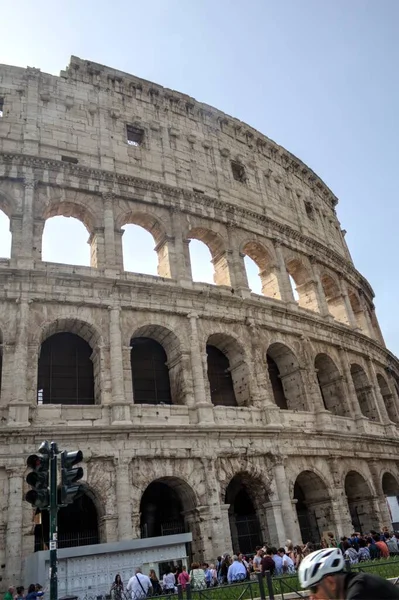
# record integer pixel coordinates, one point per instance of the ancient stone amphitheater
(206, 408)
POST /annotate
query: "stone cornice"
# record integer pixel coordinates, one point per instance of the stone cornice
(234, 212)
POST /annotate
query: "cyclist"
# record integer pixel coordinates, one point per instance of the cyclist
(322, 572)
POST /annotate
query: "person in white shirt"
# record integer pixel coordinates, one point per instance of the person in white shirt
(288, 563)
(169, 582)
(139, 585)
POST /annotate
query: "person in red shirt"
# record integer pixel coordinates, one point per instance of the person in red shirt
(183, 577)
(383, 548)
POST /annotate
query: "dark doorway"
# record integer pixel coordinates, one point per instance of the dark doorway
(150, 374)
(306, 517)
(65, 371)
(277, 386)
(161, 511)
(244, 522)
(220, 381)
(77, 526)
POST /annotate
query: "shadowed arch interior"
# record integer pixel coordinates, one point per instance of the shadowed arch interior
(65, 370)
(228, 372)
(388, 397)
(390, 485)
(361, 509)
(245, 527)
(313, 506)
(364, 393)
(285, 377)
(330, 384)
(77, 525)
(150, 374)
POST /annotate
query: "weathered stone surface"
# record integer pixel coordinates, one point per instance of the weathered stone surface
(64, 151)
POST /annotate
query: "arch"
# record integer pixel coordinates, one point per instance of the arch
(150, 373)
(65, 370)
(156, 228)
(330, 384)
(313, 506)
(388, 397)
(285, 377)
(76, 210)
(71, 324)
(168, 506)
(358, 311)
(78, 524)
(5, 235)
(305, 286)
(218, 249)
(267, 268)
(245, 496)
(359, 498)
(364, 392)
(228, 373)
(390, 484)
(334, 298)
(161, 364)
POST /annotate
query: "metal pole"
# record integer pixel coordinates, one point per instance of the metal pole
(261, 586)
(270, 585)
(53, 522)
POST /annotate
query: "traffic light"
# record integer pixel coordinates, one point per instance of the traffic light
(70, 475)
(38, 478)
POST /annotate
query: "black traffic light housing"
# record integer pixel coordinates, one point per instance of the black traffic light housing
(38, 478)
(70, 475)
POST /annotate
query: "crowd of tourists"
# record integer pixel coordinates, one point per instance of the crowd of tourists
(34, 592)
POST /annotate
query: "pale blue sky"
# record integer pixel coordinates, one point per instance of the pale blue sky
(319, 77)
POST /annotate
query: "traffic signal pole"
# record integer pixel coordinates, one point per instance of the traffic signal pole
(53, 509)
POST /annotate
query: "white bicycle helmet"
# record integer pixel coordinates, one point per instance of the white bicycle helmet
(318, 564)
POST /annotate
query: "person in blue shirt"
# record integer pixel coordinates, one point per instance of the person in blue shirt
(278, 561)
(237, 571)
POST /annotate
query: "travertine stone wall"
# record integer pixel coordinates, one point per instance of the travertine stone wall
(64, 151)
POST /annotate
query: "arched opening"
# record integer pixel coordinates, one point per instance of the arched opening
(304, 285)
(245, 527)
(139, 255)
(313, 506)
(217, 249)
(65, 241)
(388, 397)
(77, 525)
(150, 374)
(227, 372)
(364, 392)
(266, 281)
(358, 311)
(65, 371)
(202, 269)
(334, 299)
(390, 488)
(140, 232)
(330, 384)
(5, 236)
(168, 506)
(358, 495)
(285, 378)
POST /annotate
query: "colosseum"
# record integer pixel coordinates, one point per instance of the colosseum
(203, 408)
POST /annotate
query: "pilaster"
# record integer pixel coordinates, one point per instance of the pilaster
(204, 408)
(120, 408)
(14, 524)
(124, 506)
(289, 516)
(18, 410)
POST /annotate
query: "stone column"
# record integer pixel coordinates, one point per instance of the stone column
(380, 498)
(179, 255)
(204, 408)
(124, 505)
(379, 400)
(235, 258)
(275, 523)
(215, 530)
(290, 518)
(349, 310)
(120, 408)
(14, 525)
(353, 399)
(339, 501)
(283, 276)
(18, 410)
(367, 319)
(262, 396)
(110, 254)
(25, 254)
(30, 128)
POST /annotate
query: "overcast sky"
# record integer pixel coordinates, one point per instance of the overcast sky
(320, 77)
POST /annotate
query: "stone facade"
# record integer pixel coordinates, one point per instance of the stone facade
(313, 435)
